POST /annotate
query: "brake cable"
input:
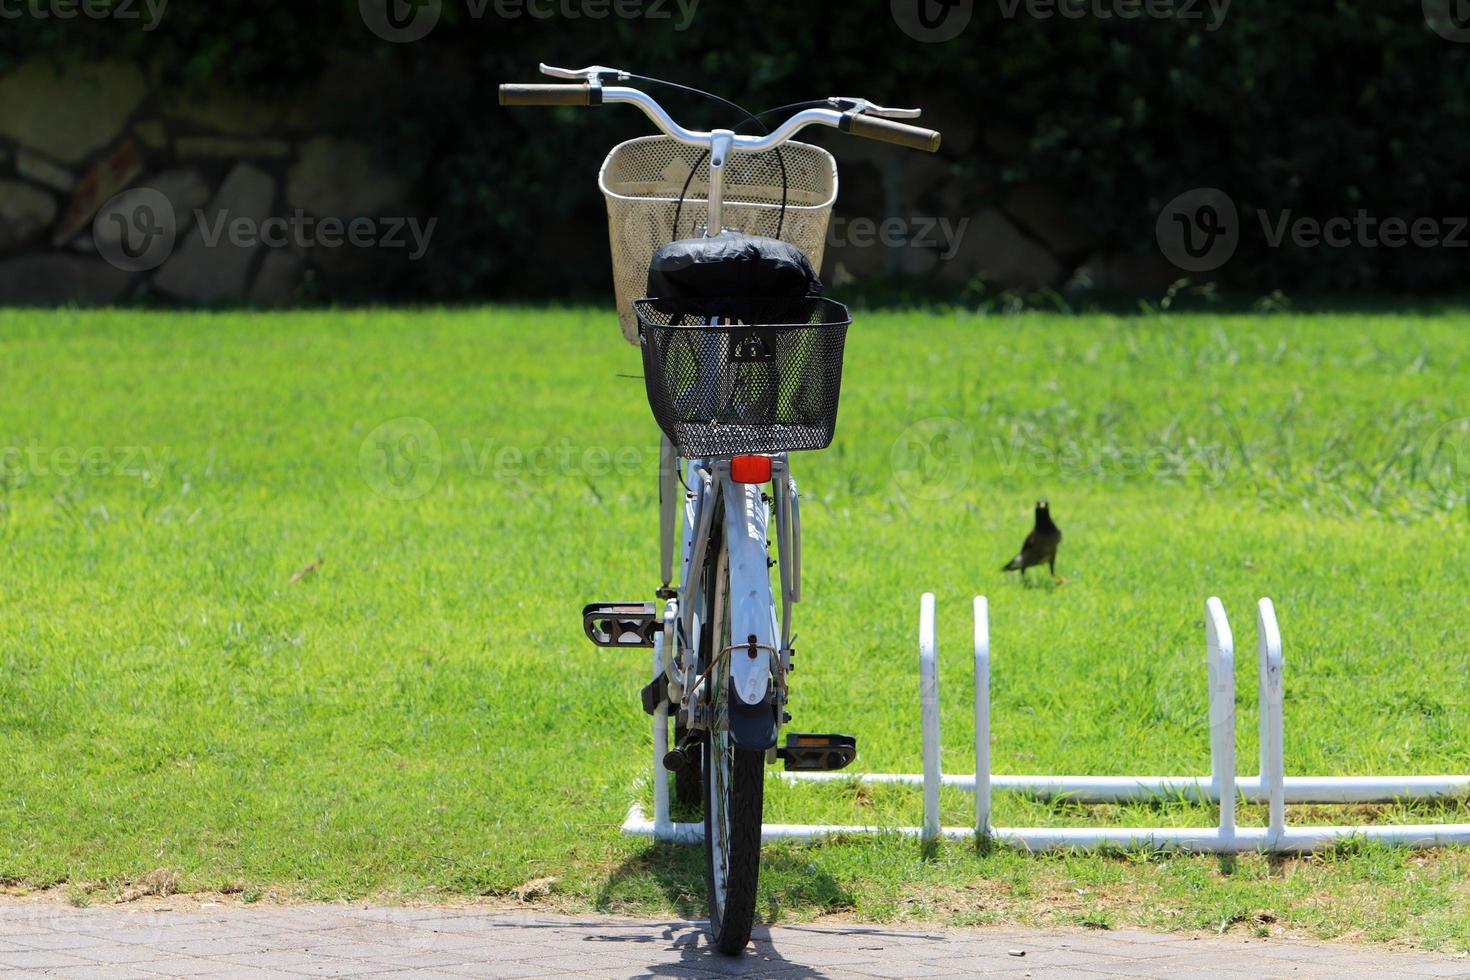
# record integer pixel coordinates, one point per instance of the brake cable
(749, 117)
(808, 104)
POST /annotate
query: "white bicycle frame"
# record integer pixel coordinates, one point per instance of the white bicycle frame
(710, 493)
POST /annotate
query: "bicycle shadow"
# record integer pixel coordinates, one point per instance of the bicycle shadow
(678, 873)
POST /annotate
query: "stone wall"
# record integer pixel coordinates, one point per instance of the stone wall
(112, 188)
(99, 142)
(1021, 238)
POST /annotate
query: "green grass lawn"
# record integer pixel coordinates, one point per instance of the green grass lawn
(420, 717)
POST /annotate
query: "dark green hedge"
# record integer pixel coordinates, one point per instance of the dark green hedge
(1320, 107)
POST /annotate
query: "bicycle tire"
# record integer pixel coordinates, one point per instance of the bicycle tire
(731, 924)
(732, 853)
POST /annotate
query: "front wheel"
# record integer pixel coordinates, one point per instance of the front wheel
(734, 792)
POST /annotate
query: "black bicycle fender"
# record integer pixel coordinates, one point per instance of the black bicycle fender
(752, 726)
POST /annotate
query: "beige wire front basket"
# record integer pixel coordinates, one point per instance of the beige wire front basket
(648, 185)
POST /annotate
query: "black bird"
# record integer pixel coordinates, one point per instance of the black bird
(1040, 545)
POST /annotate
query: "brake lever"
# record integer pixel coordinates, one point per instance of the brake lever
(592, 73)
(863, 105)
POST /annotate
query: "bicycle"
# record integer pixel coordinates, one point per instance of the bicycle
(742, 365)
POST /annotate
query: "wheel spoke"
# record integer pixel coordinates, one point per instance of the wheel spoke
(722, 829)
(720, 775)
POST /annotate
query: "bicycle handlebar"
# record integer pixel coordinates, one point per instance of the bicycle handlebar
(513, 94)
(888, 131)
(853, 122)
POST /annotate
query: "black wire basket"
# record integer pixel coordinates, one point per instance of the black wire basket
(727, 377)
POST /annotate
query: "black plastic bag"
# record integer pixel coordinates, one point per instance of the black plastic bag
(728, 265)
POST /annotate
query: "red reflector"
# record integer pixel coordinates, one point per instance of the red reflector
(750, 469)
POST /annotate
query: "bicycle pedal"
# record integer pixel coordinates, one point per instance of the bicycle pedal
(817, 753)
(621, 624)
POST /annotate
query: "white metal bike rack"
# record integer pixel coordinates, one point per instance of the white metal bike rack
(663, 827)
(1272, 786)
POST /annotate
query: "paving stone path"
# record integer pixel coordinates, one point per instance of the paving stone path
(119, 943)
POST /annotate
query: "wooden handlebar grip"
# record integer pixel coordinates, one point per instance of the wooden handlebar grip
(878, 128)
(513, 93)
